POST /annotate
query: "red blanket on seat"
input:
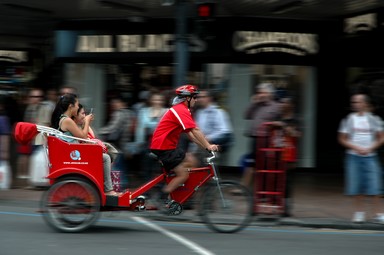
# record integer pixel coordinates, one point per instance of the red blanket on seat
(24, 132)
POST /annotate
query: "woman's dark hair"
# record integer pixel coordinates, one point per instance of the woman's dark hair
(78, 110)
(80, 107)
(61, 106)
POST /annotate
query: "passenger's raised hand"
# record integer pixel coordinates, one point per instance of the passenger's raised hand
(89, 117)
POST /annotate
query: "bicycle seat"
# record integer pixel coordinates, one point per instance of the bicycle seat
(155, 157)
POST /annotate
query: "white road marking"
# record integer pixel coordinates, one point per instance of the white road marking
(193, 246)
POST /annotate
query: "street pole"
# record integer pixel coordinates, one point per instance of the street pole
(181, 54)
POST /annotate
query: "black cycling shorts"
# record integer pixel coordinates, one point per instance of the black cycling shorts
(170, 158)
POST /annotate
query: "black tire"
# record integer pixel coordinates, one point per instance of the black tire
(71, 205)
(228, 216)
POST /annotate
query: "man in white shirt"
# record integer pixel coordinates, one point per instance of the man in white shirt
(361, 133)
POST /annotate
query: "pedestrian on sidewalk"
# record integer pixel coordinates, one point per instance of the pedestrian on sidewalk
(289, 127)
(262, 108)
(214, 122)
(5, 138)
(33, 113)
(147, 120)
(361, 133)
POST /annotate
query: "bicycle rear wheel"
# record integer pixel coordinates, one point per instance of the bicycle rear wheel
(229, 214)
(71, 205)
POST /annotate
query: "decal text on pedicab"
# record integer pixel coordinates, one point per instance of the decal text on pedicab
(75, 155)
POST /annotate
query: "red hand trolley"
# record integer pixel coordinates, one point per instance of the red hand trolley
(270, 173)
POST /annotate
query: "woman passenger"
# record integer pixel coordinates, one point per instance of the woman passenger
(62, 119)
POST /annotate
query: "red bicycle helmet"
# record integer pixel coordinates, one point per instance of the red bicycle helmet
(187, 90)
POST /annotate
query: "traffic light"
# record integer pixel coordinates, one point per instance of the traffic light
(205, 15)
(206, 10)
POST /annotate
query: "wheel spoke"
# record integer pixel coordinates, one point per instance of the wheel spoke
(71, 205)
(228, 209)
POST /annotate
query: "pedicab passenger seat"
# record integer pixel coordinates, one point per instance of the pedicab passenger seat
(84, 158)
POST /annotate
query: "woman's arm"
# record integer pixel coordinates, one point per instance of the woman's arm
(91, 132)
(69, 125)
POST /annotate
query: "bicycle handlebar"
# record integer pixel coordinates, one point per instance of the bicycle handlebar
(214, 155)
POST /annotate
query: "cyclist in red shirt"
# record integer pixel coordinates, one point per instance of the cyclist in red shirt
(176, 120)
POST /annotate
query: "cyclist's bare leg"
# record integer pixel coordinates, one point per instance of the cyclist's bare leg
(181, 172)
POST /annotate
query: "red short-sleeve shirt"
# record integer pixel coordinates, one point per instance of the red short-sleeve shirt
(176, 120)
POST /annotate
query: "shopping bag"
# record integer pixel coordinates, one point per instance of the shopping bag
(116, 177)
(5, 175)
(119, 183)
(38, 168)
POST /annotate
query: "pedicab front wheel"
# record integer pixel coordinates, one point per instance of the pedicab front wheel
(227, 209)
(71, 205)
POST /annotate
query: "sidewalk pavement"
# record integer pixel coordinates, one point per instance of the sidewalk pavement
(318, 202)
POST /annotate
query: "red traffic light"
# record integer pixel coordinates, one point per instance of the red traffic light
(205, 10)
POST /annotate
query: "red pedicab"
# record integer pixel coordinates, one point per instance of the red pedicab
(76, 196)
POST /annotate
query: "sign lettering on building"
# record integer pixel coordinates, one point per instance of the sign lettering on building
(134, 43)
(14, 56)
(252, 42)
(366, 22)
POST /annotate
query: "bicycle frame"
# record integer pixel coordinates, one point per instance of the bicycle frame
(85, 160)
(197, 178)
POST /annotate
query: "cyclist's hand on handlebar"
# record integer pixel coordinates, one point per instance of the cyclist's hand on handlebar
(213, 147)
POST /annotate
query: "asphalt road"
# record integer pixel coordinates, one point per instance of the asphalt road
(23, 231)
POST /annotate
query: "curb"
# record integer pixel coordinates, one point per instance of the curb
(331, 223)
(316, 223)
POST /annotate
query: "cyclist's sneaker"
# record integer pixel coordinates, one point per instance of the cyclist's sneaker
(162, 202)
(165, 207)
(167, 202)
(161, 199)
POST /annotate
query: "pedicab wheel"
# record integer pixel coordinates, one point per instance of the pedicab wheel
(230, 212)
(71, 205)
